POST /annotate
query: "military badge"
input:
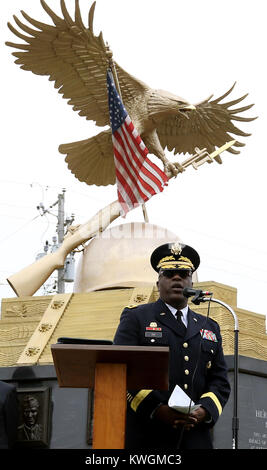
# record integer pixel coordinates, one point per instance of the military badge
(207, 334)
(153, 328)
(153, 331)
(176, 248)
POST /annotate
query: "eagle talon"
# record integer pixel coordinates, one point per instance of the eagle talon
(170, 169)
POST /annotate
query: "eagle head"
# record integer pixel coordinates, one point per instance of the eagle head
(162, 104)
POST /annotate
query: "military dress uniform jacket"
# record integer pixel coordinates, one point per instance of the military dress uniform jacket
(196, 364)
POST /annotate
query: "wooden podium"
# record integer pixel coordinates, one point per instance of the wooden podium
(111, 370)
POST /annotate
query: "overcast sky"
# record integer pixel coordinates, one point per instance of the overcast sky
(192, 49)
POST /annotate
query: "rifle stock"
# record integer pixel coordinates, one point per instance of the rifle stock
(30, 279)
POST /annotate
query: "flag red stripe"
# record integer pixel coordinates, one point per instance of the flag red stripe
(137, 141)
(127, 188)
(122, 162)
(140, 165)
(149, 189)
(120, 166)
(160, 176)
(129, 163)
(137, 177)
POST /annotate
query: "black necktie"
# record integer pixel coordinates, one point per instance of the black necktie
(179, 320)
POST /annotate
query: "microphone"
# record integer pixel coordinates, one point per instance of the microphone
(199, 295)
(189, 292)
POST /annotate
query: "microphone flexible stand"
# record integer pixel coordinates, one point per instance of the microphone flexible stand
(235, 421)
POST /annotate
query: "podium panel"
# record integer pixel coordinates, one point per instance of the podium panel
(110, 370)
(110, 405)
(147, 366)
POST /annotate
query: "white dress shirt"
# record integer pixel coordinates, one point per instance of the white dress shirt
(183, 310)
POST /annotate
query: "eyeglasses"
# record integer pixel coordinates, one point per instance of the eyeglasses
(169, 273)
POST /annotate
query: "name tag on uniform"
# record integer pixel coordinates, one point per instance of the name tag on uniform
(153, 334)
(207, 334)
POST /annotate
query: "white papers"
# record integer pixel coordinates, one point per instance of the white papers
(180, 401)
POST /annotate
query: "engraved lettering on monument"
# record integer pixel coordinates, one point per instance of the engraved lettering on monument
(258, 439)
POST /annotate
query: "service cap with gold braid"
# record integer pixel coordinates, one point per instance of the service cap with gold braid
(174, 256)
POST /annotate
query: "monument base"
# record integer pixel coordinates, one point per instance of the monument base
(66, 418)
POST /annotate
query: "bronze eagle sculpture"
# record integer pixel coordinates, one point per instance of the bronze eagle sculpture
(77, 61)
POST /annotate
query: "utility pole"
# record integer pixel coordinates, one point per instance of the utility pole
(66, 273)
(60, 232)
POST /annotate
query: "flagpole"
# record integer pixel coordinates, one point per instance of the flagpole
(145, 213)
(116, 80)
(114, 71)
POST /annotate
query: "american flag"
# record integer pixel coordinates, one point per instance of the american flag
(137, 177)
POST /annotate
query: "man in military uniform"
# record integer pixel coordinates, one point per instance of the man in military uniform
(196, 361)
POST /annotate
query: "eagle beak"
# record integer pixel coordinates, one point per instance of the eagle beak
(189, 107)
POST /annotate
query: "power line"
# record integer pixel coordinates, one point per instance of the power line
(230, 273)
(18, 230)
(9, 216)
(220, 239)
(57, 188)
(7, 204)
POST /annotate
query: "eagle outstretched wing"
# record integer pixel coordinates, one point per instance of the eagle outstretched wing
(209, 126)
(75, 59)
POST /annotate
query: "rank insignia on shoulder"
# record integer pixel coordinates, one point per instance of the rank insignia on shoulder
(131, 306)
(207, 334)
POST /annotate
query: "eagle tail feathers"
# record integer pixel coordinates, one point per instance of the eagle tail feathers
(90, 159)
